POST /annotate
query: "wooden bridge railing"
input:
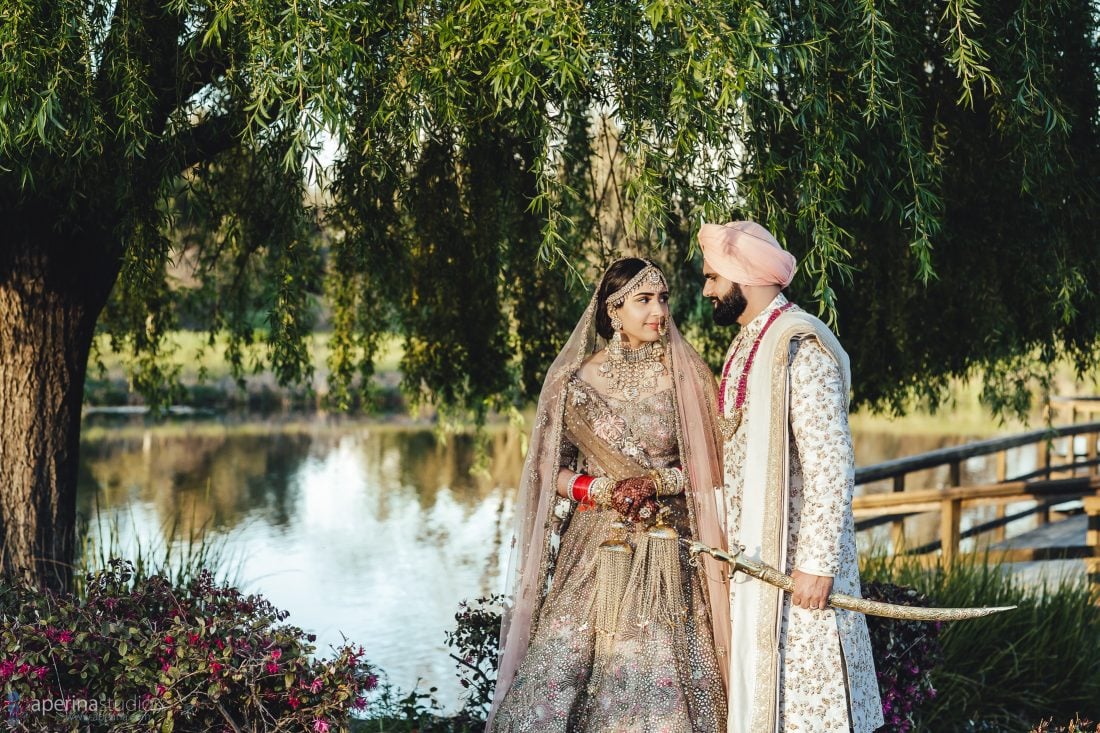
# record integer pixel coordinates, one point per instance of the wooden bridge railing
(1062, 474)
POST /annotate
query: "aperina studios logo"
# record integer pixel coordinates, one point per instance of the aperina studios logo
(72, 708)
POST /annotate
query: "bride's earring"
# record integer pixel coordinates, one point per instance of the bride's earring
(662, 328)
(615, 346)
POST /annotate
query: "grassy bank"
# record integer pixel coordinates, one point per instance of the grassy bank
(205, 375)
(1009, 671)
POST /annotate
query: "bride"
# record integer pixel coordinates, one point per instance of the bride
(610, 628)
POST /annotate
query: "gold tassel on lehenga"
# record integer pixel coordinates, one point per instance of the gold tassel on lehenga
(662, 598)
(613, 561)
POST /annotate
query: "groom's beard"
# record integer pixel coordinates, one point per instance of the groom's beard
(729, 308)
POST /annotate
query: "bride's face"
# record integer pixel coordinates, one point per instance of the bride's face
(644, 314)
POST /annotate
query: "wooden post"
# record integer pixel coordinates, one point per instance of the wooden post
(897, 527)
(998, 534)
(1001, 465)
(1043, 458)
(1090, 452)
(950, 516)
(1092, 538)
(955, 475)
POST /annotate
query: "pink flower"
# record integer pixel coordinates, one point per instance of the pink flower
(372, 682)
(361, 702)
(65, 636)
(40, 672)
(7, 669)
(293, 701)
(272, 667)
(609, 427)
(160, 690)
(320, 726)
(315, 687)
(276, 653)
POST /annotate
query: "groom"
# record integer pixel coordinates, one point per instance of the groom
(795, 664)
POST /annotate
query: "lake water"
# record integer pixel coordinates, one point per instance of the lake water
(365, 531)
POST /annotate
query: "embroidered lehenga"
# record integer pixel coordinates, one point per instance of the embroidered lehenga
(653, 657)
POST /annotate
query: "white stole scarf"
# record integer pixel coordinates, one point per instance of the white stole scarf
(755, 607)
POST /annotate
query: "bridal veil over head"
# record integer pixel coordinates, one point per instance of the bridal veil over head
(535, 523)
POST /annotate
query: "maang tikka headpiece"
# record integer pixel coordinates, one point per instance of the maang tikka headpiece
(636, 371)
(647, 275)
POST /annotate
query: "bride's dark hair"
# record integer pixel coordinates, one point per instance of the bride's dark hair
(617, 276)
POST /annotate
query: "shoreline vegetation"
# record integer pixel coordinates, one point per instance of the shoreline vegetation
(1035, 669)
(207, 388)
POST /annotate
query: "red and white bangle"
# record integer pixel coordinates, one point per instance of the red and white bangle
(578, 487)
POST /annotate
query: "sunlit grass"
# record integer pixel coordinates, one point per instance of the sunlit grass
(964, 414)
(110, 535)
(1009, 670)
(194, 354)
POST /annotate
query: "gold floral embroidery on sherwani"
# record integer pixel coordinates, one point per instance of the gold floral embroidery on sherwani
(658, 677)
(825, 679)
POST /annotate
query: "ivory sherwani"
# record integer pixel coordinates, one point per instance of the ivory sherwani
(789, 469)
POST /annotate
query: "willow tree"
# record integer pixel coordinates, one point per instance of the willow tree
(109, 111)
(930, 163)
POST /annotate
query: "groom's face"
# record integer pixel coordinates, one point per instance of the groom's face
(726, 297)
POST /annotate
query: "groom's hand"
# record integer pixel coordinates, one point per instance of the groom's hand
(810, 591)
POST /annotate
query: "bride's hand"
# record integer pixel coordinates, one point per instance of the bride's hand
(631, 495)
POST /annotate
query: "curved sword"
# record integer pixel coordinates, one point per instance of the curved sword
(771, 576)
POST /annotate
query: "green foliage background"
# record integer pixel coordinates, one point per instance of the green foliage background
(932, 165)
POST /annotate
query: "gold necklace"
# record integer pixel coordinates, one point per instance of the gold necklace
(632, 372)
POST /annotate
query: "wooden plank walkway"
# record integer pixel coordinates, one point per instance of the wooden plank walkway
(1062, 533)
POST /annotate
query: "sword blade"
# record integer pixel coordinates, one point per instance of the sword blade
(771, 576)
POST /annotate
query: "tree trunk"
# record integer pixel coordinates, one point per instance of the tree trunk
(50, 298)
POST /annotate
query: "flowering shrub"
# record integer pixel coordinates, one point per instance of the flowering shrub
(474, 644)
(1077, 725)
(137, 654)
(905, 654)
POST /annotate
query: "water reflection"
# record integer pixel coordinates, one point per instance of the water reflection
(371, 533)
(364, 531)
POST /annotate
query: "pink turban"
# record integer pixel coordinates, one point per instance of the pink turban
(745, 253)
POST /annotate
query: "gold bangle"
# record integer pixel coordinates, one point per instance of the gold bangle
(671, 482)
(599, 491)
(658, 482)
